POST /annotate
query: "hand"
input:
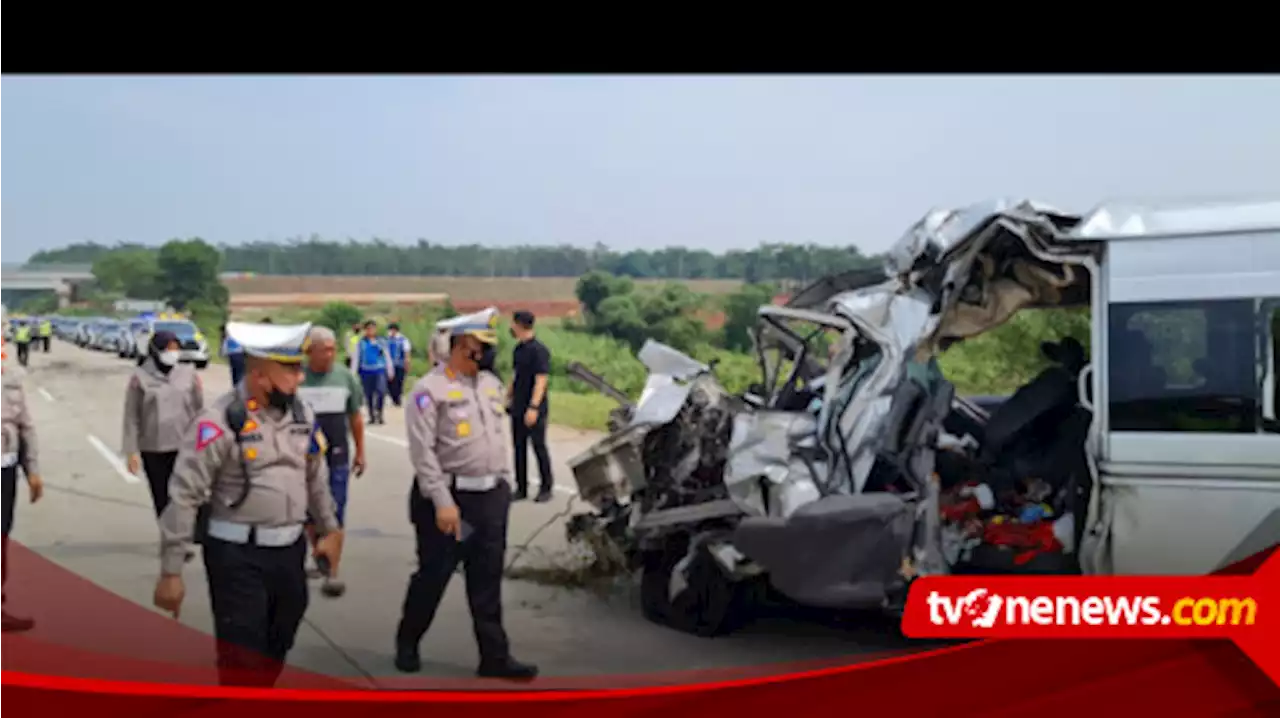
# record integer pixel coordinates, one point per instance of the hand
(358, 465)
(330, 547)
(449, 521)
(35, 485)
(530, 417)
(169, 594)
(135, 464)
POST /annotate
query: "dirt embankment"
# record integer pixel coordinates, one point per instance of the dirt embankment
(544, 296)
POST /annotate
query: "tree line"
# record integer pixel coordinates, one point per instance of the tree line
(181, 272)
(316, 256)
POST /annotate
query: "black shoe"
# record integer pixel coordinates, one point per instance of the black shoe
(508, 669)
(544, 495)
(17, 624)
(407, 660)
(520, 495)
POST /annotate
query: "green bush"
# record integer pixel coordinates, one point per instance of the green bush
(996, 362)
(1001, 360)
(338, 316)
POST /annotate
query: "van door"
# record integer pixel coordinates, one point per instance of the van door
(1189, 464)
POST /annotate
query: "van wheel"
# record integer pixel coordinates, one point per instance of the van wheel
(201, 364)
(710, 604)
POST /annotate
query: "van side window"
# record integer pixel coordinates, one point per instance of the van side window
(1185, 366)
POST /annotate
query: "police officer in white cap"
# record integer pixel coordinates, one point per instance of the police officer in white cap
(458, 445)
(18, 452)
(256, 458)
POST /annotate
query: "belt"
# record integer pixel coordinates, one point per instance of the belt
(476, 483)
(10, 459)
(267, 537)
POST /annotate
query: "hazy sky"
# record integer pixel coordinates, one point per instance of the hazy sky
(715, 162)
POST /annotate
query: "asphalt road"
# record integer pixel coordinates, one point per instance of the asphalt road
(97, 521)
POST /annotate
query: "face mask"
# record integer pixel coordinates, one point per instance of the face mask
(279, 400)
(168, 358)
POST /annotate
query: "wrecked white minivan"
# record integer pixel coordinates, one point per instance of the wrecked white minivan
(853, 468)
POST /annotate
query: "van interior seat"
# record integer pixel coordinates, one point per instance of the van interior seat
(1039, 404)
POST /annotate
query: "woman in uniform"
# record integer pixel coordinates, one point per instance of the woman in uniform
(20, 452)
(162, 400)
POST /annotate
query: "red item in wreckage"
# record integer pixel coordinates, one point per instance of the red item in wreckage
(1029, 540)
(960, 510)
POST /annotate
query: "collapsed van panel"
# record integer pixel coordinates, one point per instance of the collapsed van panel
(840, 551)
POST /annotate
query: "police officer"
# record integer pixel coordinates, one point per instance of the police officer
(20, 452)
(256, 457)
(460, 496)
(46, 333)
(22, 337)
(162, 400)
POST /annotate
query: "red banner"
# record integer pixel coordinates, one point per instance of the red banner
(1130, 660)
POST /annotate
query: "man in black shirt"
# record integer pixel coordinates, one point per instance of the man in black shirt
(527, 399)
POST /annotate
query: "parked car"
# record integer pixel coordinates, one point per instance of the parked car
(133, 339)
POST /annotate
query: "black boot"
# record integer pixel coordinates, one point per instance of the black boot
(508, 669)
(544, 495)
(520, 494)
(407, 660)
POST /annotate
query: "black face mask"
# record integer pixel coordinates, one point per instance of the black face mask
(279, 400)
(485, 359)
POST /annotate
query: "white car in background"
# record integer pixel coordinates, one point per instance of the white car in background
(194, 347)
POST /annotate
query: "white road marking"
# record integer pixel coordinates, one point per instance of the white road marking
(402, 442)
(45, 393)
(115, 461)
(389, 439)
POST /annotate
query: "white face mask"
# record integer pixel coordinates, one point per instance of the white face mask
(168, 358)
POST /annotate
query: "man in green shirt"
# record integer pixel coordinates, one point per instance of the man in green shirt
(335, 395)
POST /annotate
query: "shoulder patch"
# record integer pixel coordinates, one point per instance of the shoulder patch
(207, 433)
(423, 400)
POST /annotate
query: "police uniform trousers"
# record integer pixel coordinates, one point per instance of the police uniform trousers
(158, 466)
(482, 554)
(45, 342)
(259, 595)
(24, 351)
(10, 495)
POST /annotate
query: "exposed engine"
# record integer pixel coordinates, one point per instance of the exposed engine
(684, 460)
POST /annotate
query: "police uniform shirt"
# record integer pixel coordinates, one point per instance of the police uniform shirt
(19, 430)
(456, 427)
(288, 479)
(159, 407)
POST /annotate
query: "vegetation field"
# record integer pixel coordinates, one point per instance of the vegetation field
(461, 290)
(597, 307)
